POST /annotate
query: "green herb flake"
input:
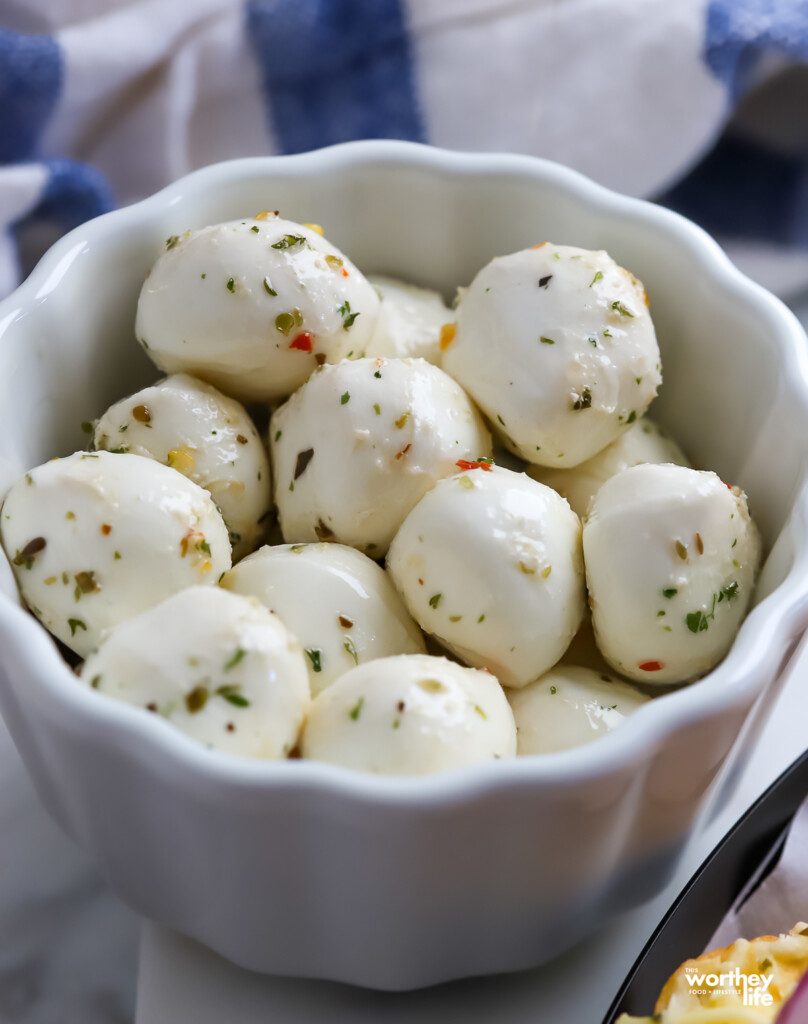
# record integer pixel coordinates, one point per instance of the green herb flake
(765, 964)
(350, 648)
(607, 333)
(402, 420)
(696, 622)
(356, 710)
(116, 555)
(583, 401)
(553, 689)
(593, 340)
(95, 681)
(501, 420)
(196, 699)
(238, 655)
(171, 241)
(284, 322)
(618, 307)
(669, 592)
(315, 657)
(659, 614)
(378, 374)
(76, 624)
(598, 277)
(434, 601)
(268, 287)
(231, 284)
(255, 229)
(289, 242)
(631, 416)
(546, 341)
(377, 408)
(233, 695)
(203, 276)
(481, 618)
(728, 592)
(480, 712)
(87, 427)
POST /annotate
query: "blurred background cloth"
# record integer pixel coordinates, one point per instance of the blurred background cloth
(105, 101)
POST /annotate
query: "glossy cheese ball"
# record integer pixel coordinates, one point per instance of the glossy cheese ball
(568, 707)
(490, 563)
(337, 601)
(251, 305)
(410, 715)
(671, 557)
(557, 347)
(215, 665)
(206, 436)
(356, 447)
(412, 321)
(642, 442)
(96, 538)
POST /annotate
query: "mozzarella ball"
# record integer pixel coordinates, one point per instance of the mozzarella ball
(410, 715)
(356, 447)
(251, 305)
(642, 442)
(97, 538)
(557, 347)
(671, 556)
(490, 563)
(568, 707)
(217, 666)
(206, 436)
(337, 601)
(411, 322)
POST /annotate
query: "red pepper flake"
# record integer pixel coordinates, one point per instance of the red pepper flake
(403, 452)
(345, 272)
(465, 464)
(106, 529)
(241, 439)
(302, 342)
(650, 666)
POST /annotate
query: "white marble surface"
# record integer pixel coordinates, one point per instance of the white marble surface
(68, 947)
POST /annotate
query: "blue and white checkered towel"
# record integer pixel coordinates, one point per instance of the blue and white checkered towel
(104, 101)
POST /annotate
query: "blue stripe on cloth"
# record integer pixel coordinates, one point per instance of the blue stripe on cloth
(73, 193)
(30, 83)
(739, 32)
(335, 70)
(741, 190)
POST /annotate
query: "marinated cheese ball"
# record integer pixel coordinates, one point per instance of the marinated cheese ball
(410, 715)
(490, 563)
(339, 604)
(642, 442)
(411, 322)
(356, 447)
(206, 436)
(671, 557)
(568, 707)
(557, 347)
(252, 305)
(97, 538)
(217, 666)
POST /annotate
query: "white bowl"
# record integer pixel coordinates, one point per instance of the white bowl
(306, 869)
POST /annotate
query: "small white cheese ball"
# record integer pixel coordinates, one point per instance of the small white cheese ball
(411, 322)
(568, 707)
(97, 538)
(557, 347)
(490, 563)
(251, 305)
(410, 715)
(356, 447)
(339, 604)
(671, 556)
(642, 442)
(206, 436)
(217, 666)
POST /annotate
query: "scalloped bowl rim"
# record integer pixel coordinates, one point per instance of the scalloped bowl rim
(762, 635)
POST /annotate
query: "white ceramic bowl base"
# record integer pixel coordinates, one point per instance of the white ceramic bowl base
(308, 870)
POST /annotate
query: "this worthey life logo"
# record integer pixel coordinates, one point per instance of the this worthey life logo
(753, 988)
